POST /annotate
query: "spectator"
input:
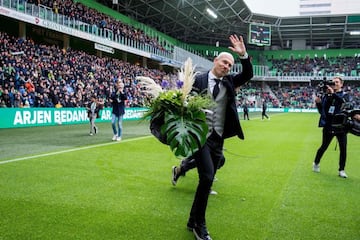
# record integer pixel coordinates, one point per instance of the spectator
(118, 98)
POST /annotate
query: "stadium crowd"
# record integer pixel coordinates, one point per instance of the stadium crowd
(290, 94)
(317, 66)
(33, 75)
(97, 20)
(295, 95)
(36, 75)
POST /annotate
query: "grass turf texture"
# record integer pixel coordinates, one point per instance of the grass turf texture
(267, 189)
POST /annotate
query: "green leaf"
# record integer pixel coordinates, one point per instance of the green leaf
(182, 120)
(186, 133)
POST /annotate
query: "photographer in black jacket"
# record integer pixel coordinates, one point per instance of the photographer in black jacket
(328, 106)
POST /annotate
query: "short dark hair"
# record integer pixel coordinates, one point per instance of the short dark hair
(340, 78)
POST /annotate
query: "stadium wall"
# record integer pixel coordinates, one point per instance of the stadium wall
(36, 117)
(39, 117)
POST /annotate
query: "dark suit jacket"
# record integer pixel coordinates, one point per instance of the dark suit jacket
(118, 103)
(336, 100)
(231, 82)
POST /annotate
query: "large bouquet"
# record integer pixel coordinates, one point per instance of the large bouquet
(177, 116)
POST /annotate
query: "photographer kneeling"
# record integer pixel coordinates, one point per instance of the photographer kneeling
(328, 106)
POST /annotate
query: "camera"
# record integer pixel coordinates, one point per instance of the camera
(347, 121)
(322, 86)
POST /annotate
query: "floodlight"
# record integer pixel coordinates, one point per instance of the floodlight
(211, 13)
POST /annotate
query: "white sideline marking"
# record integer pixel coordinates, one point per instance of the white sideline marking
(70, 150)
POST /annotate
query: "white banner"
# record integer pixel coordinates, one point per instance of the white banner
(104, 48)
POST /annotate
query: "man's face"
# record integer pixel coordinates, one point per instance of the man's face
(222, 66)
(338, 84)
(119, 85)
(356, 117)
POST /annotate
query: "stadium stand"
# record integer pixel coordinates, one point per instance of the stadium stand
(318, 66)
(99, 21)
(40, 75)
(47, 75)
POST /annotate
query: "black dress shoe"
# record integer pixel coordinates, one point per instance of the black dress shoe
(201, 233)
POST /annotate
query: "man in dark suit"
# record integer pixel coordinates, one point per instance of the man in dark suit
(263, 113)
(246, 111)
(223, 122)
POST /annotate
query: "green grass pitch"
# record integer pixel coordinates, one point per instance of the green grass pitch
(60, 183)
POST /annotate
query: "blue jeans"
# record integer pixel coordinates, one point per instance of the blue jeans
(116, 123)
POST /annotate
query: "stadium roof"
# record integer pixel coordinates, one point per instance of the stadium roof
(188, 21)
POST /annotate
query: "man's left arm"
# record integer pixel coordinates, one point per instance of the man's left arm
(238, 47)
(246, 73)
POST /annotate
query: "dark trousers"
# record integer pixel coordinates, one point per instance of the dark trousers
(246, 115)
(327, 136)
(263, 114)
(207, 160)
(187, 164)
(190, 163)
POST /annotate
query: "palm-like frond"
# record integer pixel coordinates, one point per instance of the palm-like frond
(148, 85)
(187, 76)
